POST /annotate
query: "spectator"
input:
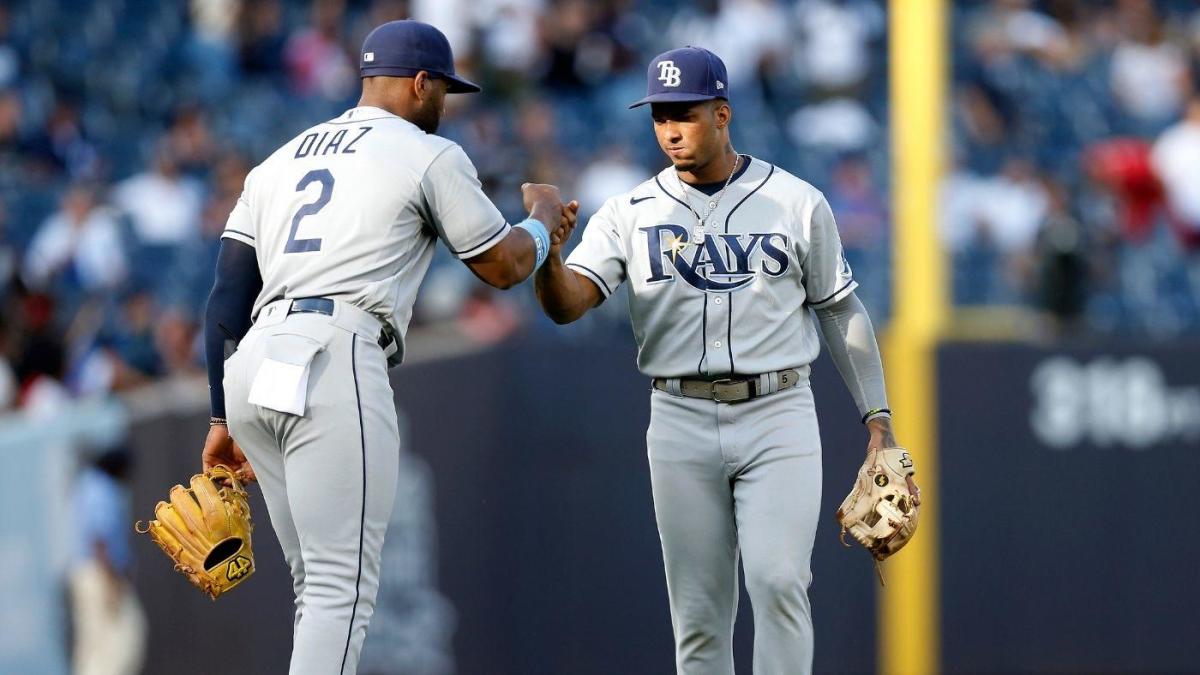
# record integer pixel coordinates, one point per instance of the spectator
(316, 57)
(1150, 75)
(862, 221)
(1176, 159)
(163, 204)
(78, 248)
(109, 624)
(190, 141)
(262, 38)
(1062, 265)
(611, 173)
(63, 145)
(186, 286)
(40, 362)
(832, 49)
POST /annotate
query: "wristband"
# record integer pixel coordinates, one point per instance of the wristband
(215, 421)
(541, 239)
(877, 412)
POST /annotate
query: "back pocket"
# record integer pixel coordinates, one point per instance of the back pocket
(281, 382)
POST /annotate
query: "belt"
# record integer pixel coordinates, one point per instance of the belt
(731, 389)
(387, 336)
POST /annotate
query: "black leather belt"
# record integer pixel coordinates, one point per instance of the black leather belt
(325, 306)
(730, 389)
(312, 306)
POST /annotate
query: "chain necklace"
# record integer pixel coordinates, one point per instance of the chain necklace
(713, 202)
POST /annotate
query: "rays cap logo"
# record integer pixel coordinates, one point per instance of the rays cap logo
(683, 75)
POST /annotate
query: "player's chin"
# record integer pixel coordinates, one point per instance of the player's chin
(682, 164)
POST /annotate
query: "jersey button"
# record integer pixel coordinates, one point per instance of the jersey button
(717, 343)
(717, 300)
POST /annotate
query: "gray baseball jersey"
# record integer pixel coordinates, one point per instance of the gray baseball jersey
(731, 300)
(348, 213)
(741, 479)
(352, 208)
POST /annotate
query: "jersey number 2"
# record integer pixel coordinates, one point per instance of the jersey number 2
(325, 178)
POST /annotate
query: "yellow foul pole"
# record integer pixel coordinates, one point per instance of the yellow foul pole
(909, 609)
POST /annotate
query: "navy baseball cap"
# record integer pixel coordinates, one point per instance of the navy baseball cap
(404, 48)
(685, 74)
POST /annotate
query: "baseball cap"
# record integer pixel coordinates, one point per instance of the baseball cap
(404, 48)
(685, 74)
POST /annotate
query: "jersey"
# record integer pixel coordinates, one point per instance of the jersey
(352, 208)
(734, 300)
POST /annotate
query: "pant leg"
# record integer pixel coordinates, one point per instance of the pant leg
(693, 504)
(338, 479)
(341, 464)
(258, 441)
(777, 496)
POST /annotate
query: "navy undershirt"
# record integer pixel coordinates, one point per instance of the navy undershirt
(227, 317)
(711, 189)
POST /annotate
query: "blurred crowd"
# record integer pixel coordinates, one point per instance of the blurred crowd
(1075, 182)
(127, 128)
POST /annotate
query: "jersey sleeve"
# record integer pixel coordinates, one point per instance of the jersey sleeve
(600, 255)
(240, 226)
(827, 275)
(464, 217)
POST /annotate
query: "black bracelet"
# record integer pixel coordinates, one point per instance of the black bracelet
(876, 411)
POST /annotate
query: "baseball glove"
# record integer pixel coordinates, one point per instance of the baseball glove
(206, 531)
(881, 510)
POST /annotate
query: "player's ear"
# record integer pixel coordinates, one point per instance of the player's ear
(722, 113)
(421, 85)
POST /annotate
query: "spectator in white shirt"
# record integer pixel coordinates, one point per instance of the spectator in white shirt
(163, 204)
(1176, 159)
(79, 245)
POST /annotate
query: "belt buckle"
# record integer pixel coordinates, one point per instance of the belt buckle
(727, 382)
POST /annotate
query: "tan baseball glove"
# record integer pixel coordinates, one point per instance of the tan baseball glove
(206, 531)
(881, 510)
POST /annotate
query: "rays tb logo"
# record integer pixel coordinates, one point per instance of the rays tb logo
(668, 74)
(722, 263)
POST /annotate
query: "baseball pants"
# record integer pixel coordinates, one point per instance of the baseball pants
(732, 478)
(328, 476)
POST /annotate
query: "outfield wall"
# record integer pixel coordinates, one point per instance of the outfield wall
(524, 542)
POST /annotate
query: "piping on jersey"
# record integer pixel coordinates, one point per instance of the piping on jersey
(729, 296)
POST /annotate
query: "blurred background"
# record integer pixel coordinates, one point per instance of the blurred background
(1066, 376)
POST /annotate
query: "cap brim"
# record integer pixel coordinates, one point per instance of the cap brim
(459, 85)
(673, 97)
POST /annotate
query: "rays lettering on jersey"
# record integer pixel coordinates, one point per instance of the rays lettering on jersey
(721, 264)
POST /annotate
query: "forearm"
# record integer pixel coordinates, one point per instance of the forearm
(526, 258)
(525, 255)
(850, 339)
(227, 316)
(562, 294)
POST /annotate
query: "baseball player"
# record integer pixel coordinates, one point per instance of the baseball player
(724, 255)
(323, 254)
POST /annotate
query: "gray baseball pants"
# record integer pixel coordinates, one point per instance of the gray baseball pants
(728, 478)
(328, 477)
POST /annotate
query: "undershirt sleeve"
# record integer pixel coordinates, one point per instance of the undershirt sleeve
(850, 339)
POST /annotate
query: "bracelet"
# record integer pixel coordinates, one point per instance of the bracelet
(541, 239)
(876, 412)
(218, 422)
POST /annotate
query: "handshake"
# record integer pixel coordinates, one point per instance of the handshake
(545, 204)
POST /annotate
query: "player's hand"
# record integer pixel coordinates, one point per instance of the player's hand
(882, 437)
(540, 194)
(220, 448)
(566, 225)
